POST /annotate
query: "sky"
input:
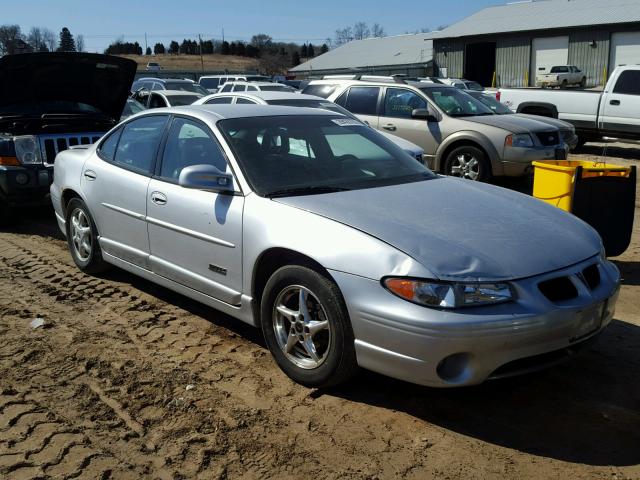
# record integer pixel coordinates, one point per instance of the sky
(101, 22)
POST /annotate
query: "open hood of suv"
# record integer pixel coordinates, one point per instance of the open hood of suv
(100, 81)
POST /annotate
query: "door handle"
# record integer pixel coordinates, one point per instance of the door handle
(614, 102)
(159, 198)
(90, 175)
(389, 126)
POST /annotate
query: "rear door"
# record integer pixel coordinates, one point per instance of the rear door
(395, 118)
(362, 102)
(621, 106)
(115, 184)
(194, 235)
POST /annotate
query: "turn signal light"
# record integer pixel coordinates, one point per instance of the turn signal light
(9, 161)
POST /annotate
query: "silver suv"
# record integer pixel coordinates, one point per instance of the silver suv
(460, 135)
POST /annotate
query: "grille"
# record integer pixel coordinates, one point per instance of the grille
(558, 289)
(548, 139)
(591, 276)
(51, 145)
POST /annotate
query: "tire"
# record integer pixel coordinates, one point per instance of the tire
(7, 215)
(82, 238)
(468, 162)
(583, 82)
(288, 330)
(564, 84)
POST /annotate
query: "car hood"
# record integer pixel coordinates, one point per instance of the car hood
(511, 123)
(102, 81)
(560, 124)
(462, 230)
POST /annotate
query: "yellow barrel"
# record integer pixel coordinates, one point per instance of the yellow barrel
(553, 180)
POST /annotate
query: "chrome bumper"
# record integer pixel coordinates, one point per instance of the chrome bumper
(467, 346)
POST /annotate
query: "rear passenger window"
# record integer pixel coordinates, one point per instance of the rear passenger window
(251, 88)
(107, 149)
(226, 88)
(139, 142)
(239, 88)
(363, 100)
(628, 83)
(219, 100)
(245, 101)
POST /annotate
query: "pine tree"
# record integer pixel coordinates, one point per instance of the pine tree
(324, 48)
(174, 47)
(303, 51)
(148, 52)
(225, 48)
(158, 49)
(67, 44)
(310, 51)
(295, 59)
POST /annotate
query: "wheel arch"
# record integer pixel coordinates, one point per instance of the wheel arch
(462, 141)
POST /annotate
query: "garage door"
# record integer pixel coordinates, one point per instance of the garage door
(625, 49)
(547, 52)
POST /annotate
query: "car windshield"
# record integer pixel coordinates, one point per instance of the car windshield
(474, 86)
(307, 154)
(180, 100)
(276, 88)
(324, 104)
(186, 87)
(132, 107)
(456, 103)
(319, 90)
(492, 103)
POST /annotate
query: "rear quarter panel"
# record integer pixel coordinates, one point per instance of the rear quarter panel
(67, 172)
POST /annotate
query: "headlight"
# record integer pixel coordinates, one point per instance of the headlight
(27, 149)
(520, 140)
(448, 295)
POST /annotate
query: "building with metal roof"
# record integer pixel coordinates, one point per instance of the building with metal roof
(402, 54)
(508, 45)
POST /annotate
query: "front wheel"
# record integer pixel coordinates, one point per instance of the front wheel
(468, 162)
(82, 238)
(306, 327)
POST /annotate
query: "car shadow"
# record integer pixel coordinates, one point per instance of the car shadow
(584, 411)
(629, 270)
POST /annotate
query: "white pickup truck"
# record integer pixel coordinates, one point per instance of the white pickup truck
(613, 113)
(562, 76)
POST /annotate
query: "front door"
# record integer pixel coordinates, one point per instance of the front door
(395, 118)
(621, 106)
(195, 236)
(115, 183)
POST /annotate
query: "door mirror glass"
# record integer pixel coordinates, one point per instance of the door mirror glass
(429, 114)
(206, 177)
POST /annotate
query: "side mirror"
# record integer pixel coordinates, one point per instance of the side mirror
(206, 177)
(429, 114)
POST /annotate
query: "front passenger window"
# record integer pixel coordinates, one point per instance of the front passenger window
(139, 142)
(189, 143)
(400, 103)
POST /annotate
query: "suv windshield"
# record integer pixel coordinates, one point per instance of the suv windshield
(307, 154)
(491, 102)
(186, 87)
(456, 103)
(319, 90)
(180, 100)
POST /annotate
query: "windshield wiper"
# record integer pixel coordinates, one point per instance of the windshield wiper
(312, 190)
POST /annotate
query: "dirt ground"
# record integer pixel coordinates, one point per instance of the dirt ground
(127, 380)
(192, 62)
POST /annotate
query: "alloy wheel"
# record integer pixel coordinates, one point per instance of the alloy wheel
(302, 328)
(466, 166)
(81, 234)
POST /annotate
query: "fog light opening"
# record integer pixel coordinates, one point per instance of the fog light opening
(455, 368)
(22, 179)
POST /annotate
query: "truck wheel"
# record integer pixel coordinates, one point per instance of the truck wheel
(82, 238)
(7, 216)
(583, 82)
(468, 162)
(564, 84)
(307, 328)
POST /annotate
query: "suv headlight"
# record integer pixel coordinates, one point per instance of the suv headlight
(27, 149)
(521, 140)
(439, 294)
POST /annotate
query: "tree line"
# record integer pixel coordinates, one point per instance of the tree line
(39, 39)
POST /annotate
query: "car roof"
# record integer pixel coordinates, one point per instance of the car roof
(379, 83)
(226, 111)
(156, 79)
(176, 92)
(255, 84)
(268, 95)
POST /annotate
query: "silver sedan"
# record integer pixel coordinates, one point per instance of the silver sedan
(345, 251)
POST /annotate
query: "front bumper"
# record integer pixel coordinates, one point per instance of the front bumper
(25, 186)
(468, 346)
(517, 161)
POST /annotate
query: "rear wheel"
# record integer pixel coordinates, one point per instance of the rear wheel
(468, 162)
(82, 238)
(306, 327)
(564, 84)
(583, 82)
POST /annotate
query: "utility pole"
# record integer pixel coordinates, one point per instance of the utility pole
(145, 43)
(222, 34)
(201, 59)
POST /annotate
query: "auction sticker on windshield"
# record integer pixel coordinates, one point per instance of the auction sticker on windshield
(346, 122)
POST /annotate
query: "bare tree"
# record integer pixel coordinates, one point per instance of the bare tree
(343, 35)
(50, 39)
(261, 41)
(35, 38)
(8, 35)
(361, 31)
(425, 30)
(377, 30)
(80, 43)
